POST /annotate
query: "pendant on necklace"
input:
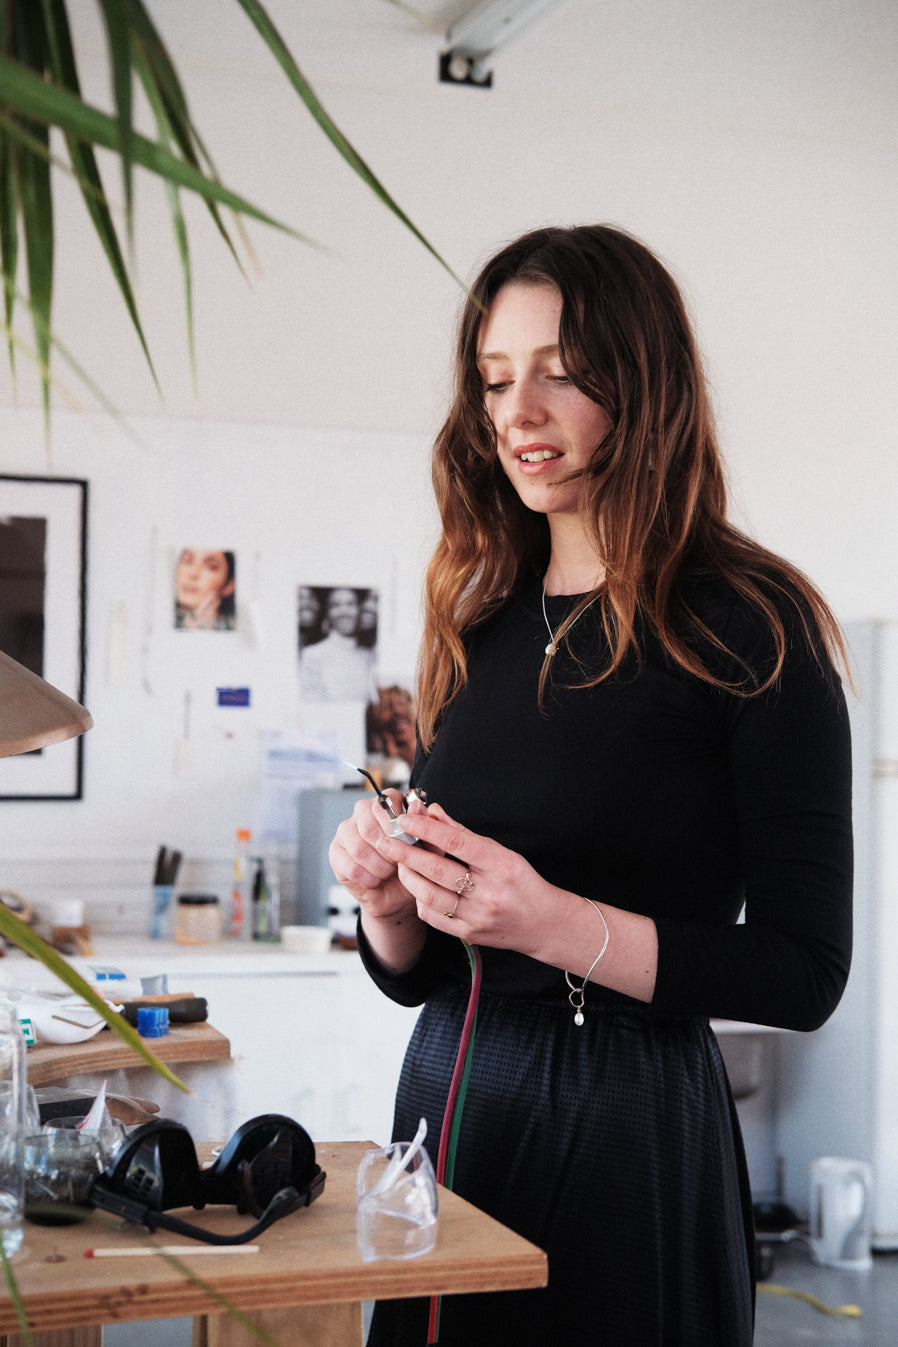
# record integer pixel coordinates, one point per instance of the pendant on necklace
(551, 648)
(578, 1018)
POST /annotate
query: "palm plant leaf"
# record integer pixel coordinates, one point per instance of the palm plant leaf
(16, 1298)
(168, 101)
(29, 181)
(257, 14)
(418, 14)
(82, 374)
(117, 34)
(84, 164)
(166, 132)
(37, 204)
(9, 236)
(240, 1317)
(39, 89)
(44, 103)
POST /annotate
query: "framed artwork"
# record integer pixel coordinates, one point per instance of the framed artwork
(43, 553)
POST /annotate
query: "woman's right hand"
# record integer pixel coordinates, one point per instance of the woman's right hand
(358, 865)
(395, 932)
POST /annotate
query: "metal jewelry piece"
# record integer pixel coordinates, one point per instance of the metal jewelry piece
(552, 647)
(464, 884)
(576, 995)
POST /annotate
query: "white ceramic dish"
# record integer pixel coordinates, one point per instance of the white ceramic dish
(306, 939)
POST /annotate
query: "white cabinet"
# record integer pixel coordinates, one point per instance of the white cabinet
(323, 1046)
(311, 1036)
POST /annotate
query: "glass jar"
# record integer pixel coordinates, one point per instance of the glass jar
(197, 919)
(12, 1127)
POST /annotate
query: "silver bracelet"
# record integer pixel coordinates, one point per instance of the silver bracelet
(576, 995)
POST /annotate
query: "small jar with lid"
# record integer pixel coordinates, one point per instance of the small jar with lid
(197, 919)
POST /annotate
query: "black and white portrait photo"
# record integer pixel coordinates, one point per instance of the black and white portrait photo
(337, 641)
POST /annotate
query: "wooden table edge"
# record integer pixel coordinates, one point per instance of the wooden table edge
(142, 1301)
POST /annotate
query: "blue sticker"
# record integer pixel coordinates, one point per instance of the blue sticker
(107, 973)
(233, 696)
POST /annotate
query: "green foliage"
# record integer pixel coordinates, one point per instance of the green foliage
(40, 89)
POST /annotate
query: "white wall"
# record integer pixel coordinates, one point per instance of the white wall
(753, 147)
(297, 506)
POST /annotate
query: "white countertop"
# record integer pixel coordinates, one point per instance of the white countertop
(138, 957)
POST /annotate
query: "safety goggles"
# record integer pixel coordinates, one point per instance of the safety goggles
(267, 1169)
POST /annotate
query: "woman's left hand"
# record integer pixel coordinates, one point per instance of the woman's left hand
(472, 887)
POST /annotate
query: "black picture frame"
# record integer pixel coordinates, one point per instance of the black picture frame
(43, 577)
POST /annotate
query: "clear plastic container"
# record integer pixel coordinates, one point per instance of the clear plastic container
(197, 919)
(396, 1205)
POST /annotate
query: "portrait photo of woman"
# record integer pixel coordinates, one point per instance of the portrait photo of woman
(205, 590)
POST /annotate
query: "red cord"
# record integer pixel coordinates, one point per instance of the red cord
(433, 1332)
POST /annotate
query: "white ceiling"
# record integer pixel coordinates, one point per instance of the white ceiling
(819, 66)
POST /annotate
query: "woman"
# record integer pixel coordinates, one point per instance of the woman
(621, 699)
(205, 581)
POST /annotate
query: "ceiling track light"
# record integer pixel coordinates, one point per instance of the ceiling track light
(473, 40)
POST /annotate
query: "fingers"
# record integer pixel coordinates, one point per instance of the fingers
(354, 854)
(441, 885)
(440, 875)
(350, 871)
(433, 826)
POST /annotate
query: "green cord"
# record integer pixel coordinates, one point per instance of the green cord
(462, 1091)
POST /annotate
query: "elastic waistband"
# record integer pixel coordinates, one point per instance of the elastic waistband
(599, 1001)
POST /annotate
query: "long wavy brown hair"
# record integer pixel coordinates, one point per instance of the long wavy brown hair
(653, 495)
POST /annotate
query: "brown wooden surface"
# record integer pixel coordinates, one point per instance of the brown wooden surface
(55, 1063)
(308, 1326)
(308, 1258)
(64, 1337)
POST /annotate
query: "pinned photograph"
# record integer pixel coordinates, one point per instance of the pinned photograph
(337, 640)
(390, 734)
(205, 590)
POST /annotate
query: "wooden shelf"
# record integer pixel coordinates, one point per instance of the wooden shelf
(55, 1063)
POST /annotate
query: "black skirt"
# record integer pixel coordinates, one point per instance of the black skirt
(615, 1147)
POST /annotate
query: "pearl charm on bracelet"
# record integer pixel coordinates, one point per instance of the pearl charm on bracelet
(577, 994)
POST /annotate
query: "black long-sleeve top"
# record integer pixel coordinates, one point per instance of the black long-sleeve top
(658, 793)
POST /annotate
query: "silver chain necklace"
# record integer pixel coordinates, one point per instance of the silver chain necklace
(552, 647)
